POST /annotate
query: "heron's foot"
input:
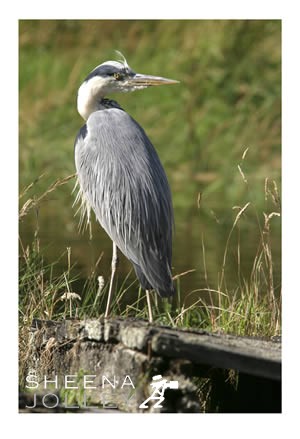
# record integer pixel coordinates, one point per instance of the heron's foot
(150, 316)
(114, 262)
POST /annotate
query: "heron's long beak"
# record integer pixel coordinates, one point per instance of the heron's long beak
(148, 80)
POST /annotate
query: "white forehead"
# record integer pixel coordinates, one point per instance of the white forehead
(122, 64)
(116, 64)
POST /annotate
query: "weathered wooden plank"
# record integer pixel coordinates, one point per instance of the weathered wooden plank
(64, 348)
(140, 350)
(256, 357)
(250, 355)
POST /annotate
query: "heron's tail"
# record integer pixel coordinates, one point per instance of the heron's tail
(166, 289)
(167, 293)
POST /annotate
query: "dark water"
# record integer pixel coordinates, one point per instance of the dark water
(199, 244)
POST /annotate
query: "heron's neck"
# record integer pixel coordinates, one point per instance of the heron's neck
(88, 100)
(91, 98)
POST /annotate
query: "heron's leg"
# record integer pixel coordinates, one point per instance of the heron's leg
(149, 306)
(114, 261)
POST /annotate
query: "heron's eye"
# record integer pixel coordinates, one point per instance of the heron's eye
(118, 76)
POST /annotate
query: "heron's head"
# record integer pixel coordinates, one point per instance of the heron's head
(112, 77)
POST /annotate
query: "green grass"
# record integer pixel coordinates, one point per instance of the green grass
(252, 308)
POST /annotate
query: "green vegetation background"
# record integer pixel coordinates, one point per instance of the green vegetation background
(228, 100)
(229, 97)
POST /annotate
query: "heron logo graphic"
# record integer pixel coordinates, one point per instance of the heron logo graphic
(159, 385)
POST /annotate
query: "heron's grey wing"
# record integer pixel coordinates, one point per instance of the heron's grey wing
(121, 176)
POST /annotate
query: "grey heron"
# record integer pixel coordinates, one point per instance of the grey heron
(122, 179)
